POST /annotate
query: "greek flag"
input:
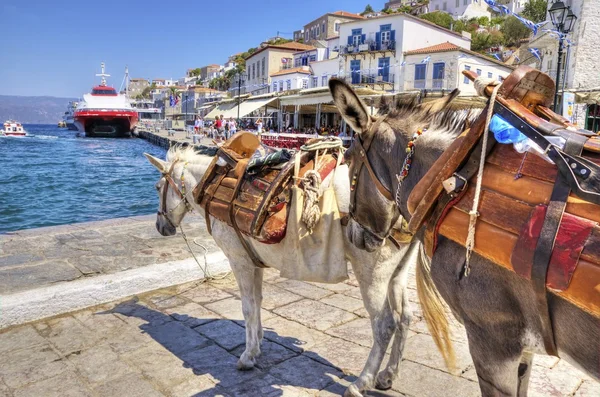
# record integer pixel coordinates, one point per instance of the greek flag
(536, 53)
(498, 57)
(426, 59)
(172, 102)
(517, 58)
(403, 63)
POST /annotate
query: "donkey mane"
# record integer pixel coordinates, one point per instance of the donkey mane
(448, 123)
(188, 154)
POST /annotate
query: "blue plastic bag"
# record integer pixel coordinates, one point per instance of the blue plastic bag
(504, 132)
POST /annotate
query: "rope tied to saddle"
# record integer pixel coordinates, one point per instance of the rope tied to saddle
(311, 213)
(480, 85)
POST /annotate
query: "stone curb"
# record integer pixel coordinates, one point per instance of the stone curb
(36, 304)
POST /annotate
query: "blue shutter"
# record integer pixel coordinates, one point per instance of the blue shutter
(363, 39)
(378, 40)
(350, 40)
(393, 35)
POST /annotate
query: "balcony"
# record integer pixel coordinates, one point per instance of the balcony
(429, 84)
(371, 79)
(369, 46)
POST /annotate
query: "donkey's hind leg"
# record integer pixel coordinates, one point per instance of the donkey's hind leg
(249, 279)
(398, 299)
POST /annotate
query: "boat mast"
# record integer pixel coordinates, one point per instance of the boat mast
(126, 81)
(103, 75)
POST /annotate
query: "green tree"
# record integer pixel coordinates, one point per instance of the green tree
(535, 10)
(195, 72)
(368, 10)
(514, 31)
(440, 18)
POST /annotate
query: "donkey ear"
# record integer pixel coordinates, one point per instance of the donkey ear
(158, 163)
(440, 104)
(352, 109)
(384, 105)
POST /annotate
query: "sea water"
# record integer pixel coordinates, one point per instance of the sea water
(54, 178)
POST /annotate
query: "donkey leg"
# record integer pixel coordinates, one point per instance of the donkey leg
(374, 274)
(524, 373)
(497, 369)
(398, 299)
(245, 274)
(258, 296)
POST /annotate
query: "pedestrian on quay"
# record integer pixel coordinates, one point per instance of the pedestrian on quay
(259, 128)
(225, 127)
(219, 126)
(232, 126)
(196, 124)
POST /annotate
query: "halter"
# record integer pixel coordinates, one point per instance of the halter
(182, 194)
(363, 151)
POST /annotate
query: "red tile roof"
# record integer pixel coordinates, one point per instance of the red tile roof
(444, 47)
(348, 14)
(300, 69)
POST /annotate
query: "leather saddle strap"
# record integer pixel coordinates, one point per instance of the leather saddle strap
(257, 262)
(545, 245)
(364, 160)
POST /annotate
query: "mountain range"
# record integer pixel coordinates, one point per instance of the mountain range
(33, 109)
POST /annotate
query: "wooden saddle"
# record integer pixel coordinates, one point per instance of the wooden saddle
(536, 218)
(255, 205)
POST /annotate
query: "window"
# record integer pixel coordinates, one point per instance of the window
(249, 72)
(437, 7)
(457, 3)
(274, 86)
(336, 27)
(499, 78)
(323, 28)
(304, 83)
(281, 85)
(420, 75)
(444, 7)
(478, 72)
(465, 2)
(490, 75)
(313, 58)
(315, 82)
(289, 84)
(323, 81)
(466, 79)
(356, 37)
(297, 62)
(386, 37)
(318, 31)
(306, 35)
(263, 66)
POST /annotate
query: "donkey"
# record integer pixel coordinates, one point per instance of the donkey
(496, 306)
(382, 275)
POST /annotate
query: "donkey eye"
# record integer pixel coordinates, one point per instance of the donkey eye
(157, 186)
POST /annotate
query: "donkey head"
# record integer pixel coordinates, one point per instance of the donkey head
(374, 211)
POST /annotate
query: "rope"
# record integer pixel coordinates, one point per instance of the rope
(480, 85)
(311, 213)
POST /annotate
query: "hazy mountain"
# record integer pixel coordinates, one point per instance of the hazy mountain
(33, 109)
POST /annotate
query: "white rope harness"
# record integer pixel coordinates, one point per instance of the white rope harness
(480, 85)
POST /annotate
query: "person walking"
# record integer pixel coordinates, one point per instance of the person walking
(225, 127)
(219, 126)
(259, 128)
(232, 127)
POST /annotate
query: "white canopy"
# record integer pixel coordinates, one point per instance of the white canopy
(248, 107)
(221, 109)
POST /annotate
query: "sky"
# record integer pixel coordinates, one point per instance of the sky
(55, 47)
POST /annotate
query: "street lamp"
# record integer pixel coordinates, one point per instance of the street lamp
(563, 20)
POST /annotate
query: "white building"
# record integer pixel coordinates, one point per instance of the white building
(461, 8)
(517, 6)
(290, 79)
(324, 70)
(164, 82)
(371, 50)
(440, 67)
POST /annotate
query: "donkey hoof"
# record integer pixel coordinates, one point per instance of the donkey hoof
(352, 391)
(245, 364)
(384, 381)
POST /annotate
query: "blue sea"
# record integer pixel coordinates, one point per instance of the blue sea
(54, 178)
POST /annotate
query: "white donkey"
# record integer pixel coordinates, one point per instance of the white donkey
(382, 275)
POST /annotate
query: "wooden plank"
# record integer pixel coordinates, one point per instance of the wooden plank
(496, 245)
(506, 157)
(533, 191)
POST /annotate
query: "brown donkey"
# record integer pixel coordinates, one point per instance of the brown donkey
(497, 307)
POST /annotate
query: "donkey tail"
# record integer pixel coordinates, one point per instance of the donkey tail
(434, 310)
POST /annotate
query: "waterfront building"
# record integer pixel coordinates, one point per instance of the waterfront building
(290, 79)
(136, 86)
(442, 71)
(461, 8)
(266, 61)
(328, 25)
(371, 50)
(164, 82)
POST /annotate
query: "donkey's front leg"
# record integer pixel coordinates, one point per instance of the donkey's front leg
(374, 272)
(398, 299)
(247, 278)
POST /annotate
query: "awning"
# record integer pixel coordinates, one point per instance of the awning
(310, 99)
(249, 106)
(221, 109)
(589, 98)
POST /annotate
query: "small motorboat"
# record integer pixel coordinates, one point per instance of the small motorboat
(12, 128)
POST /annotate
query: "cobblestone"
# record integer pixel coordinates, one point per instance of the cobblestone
(186, 341)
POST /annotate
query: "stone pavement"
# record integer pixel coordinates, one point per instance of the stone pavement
(40, 257)
(185, 341)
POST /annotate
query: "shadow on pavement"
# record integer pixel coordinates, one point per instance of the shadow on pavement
(211, 347)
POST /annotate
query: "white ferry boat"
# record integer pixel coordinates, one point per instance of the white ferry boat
(13, 128)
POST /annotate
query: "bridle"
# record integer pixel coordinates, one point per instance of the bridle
(363, 160)
(180, 192)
